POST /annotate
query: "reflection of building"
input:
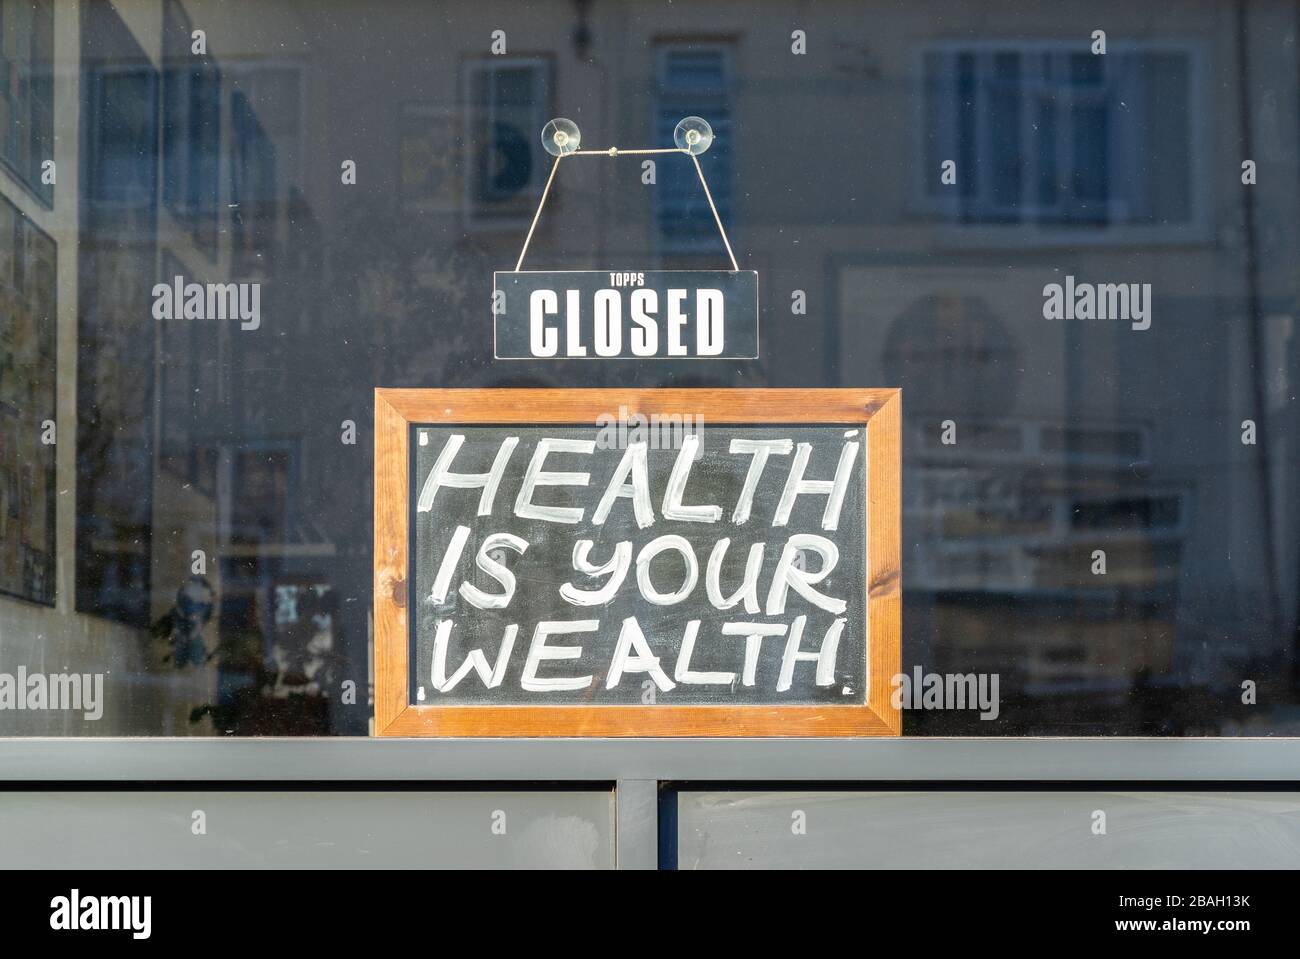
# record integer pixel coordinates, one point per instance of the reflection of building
(231, 166)
(994, 522)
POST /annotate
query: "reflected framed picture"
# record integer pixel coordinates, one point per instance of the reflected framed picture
(429, 157)
(28, 391)
(507, 101)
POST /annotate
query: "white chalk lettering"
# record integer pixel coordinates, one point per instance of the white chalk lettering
(653, 549)
(441, 475)
(485, 561)
(788, 574)
(490, 676)
(748, 590)
(833, 489)
(539, 652)
(632, 467)
(535, 476)
(824, 657)
(450, 559)
(617, 566)
(632, 654)
(759, 451)
(672, 505)
(689, 677)
(754, 634)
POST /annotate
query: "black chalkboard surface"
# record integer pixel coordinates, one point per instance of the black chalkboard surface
(637, 562)
(540, 579)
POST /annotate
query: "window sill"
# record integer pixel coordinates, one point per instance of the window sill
(915, 760)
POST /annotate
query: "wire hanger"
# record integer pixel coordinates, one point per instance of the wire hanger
(561, 139)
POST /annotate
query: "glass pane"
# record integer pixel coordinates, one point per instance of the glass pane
(222, 226)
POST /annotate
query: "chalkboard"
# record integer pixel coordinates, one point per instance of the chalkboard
(660, 562)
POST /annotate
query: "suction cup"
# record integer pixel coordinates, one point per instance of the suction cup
(561, 137)
(694, 135)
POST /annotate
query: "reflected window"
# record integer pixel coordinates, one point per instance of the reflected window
(693, 80)
(191, 130)
(27, 92)
(253, 189)
(1051, 135)
(116, 331)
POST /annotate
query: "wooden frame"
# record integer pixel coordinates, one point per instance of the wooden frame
(395, 409)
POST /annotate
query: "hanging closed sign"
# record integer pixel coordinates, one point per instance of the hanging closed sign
(626, 313)
(646, 314)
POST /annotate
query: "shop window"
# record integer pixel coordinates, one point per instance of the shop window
(255, 445)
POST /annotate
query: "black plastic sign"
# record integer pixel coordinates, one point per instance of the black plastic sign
(647, 314)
